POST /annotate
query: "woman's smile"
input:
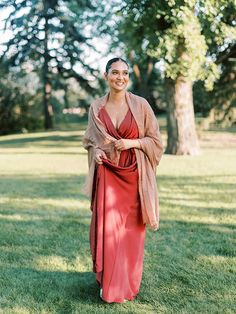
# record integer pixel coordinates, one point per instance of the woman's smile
(120, 83)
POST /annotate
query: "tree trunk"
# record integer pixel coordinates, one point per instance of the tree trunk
(48, 111)
(182, 136)
(47, 88)
(66, 101)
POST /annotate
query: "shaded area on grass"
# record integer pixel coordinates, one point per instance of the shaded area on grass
(42, 141)
(42, 186)
(63, 290)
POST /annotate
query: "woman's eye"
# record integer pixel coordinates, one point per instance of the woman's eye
(124, 73)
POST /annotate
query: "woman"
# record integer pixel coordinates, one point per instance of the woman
(124, 147)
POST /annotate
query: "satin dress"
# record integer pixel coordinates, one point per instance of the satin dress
(117, 233)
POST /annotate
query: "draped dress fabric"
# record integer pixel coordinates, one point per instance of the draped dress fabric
(117, 233)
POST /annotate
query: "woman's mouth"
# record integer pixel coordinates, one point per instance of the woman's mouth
(119, 83)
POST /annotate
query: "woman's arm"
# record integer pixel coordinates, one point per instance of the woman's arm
(124, 144)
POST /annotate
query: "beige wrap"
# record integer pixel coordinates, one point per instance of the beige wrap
(148, 157)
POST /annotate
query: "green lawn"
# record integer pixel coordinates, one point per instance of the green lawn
(190, 263)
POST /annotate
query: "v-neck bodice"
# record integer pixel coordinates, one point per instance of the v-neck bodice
(128, 129)
(117, 129)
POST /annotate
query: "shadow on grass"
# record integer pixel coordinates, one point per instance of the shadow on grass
(47, 289)
(39, 152)
(197, 238)
(35, 186)
(52, 141)
(196, 181)
(196, 194)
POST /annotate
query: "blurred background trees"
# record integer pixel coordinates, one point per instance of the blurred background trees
(182, 56)
(50, 39)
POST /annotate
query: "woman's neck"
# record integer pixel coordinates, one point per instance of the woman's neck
(117, 97)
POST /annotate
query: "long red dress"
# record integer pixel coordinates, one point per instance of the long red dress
(117, 232)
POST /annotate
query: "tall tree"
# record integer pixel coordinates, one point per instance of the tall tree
(50, 38)
(219, 105)
(172, 31)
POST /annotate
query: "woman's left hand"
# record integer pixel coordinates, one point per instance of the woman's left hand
(124, 144)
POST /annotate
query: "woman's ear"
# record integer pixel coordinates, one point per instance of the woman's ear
(105, 75)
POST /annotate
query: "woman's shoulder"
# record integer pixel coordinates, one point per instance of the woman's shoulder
(97, 101)
(141, 101)
(138, 98)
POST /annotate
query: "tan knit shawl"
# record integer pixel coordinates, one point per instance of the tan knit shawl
(148, 157)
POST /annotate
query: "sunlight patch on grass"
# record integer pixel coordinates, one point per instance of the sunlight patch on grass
(68, 204)
(218, 261)
(223, 229)
(59, 263)
(42, 165)
(15, 217)
(18, 310)
(55, 263)
(211, 220)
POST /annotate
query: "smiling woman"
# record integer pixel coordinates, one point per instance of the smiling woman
(124, 148)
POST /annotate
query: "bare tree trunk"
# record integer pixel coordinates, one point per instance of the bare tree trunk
(47, 88)
(66, 101)
(182, 136)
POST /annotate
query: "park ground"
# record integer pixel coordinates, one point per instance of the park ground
(189, 265)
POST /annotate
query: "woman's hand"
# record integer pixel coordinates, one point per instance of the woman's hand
(124, 144)
(99, 154)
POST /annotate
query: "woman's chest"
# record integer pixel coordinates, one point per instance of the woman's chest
(117, 115)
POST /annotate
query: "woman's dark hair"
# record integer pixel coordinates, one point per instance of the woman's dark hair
(109, 63)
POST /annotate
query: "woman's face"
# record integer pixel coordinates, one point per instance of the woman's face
(117, 76)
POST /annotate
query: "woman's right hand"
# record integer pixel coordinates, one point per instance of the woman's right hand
(99, 154)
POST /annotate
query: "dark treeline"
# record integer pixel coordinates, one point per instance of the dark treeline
(182, 56)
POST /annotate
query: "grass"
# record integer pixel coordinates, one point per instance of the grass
(190, 263)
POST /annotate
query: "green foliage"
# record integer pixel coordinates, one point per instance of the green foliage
(182, 46)
(185, 35)
(52, 39)
(61, 42)
(220, 103)
(20, 108)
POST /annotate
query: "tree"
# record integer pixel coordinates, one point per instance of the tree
(19, 102)
(49, 37)
(219, 105)
(172, 31)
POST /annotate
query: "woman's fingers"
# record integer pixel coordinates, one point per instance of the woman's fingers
(103, 155)
(99, 156)
(119, 144)
(122, 144)
(98, 159)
